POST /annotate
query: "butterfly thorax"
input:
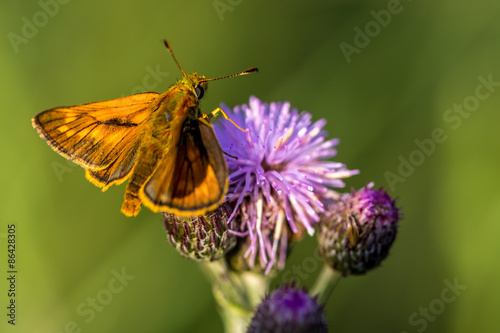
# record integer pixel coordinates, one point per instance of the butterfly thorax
(177, 105)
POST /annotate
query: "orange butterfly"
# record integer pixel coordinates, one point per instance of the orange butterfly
(162, 142)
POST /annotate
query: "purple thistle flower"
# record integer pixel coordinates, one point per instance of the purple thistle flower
(280, 173)
(288, 309)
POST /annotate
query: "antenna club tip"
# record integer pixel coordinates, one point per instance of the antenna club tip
(251, 70)
(167, 44)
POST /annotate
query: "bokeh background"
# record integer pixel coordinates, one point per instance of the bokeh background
(394, 88)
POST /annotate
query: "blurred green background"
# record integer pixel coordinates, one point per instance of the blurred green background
(380, 92)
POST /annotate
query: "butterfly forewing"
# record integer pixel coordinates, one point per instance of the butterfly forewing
(193, 178)
(216, 158)
(95, 135)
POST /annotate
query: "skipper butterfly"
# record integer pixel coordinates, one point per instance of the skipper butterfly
(162, 143)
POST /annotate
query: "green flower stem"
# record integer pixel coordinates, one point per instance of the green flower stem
(236, 293)
(325, 283)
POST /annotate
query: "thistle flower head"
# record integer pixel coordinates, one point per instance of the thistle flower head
(279, 175)
(289, 310)
(202, 238)
(358, 230)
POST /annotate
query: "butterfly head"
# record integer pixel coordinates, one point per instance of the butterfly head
(196, 83)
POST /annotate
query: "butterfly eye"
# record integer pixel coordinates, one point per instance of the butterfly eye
(199, 91)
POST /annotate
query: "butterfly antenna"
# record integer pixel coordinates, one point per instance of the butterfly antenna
(167, 44)
(245, 72)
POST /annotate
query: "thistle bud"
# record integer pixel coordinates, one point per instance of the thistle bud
(289, 310)
(201, 238)
(358, 230)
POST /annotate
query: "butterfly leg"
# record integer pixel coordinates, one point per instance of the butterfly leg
(219, 110)
(147, 162)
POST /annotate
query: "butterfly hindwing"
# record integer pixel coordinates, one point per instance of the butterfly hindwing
(117, 171)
